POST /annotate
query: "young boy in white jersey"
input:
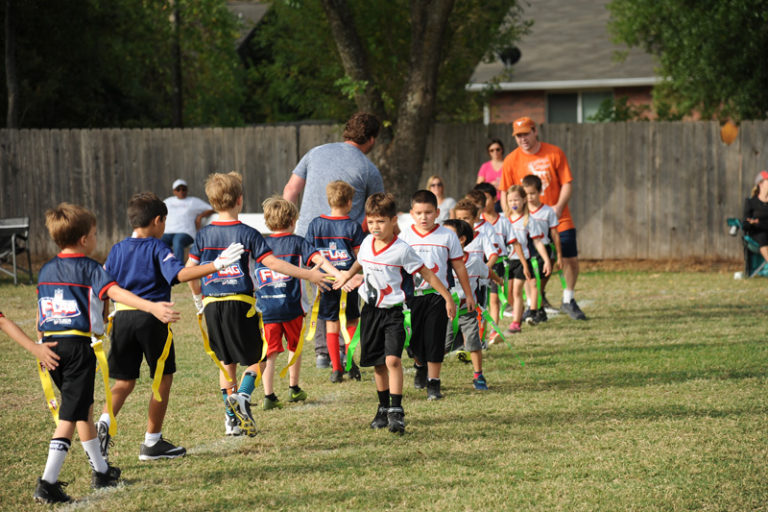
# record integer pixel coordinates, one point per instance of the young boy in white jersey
(440, 250)
(384, 258)
(502, 227)
(547, 218)
(467, 322)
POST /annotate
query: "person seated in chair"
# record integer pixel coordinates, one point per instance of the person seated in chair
(756, 213)
(184, 217)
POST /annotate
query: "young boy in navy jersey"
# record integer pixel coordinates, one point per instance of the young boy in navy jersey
(338, 237)
(280, 298)
(386, 261)
(227, 300)
(144, 265)
(441, 251)
(70, 293)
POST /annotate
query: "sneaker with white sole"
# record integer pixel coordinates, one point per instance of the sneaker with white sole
(105, 440)
(46, 492)
(161, 450)
(241, 406)
(110, 478)
(232, 426)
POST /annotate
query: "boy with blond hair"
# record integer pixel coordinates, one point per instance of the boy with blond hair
(144, 265)
(383, 258)
(226, 298)
(338, 238)
(280, 297)
(70, 294)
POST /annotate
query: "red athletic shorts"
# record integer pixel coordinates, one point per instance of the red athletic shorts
(274, 334)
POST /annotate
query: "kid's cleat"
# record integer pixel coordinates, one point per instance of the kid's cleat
(396, 420)
(323, 362)
(433, 390)
(51, 493)
(480, 383)
(513, 328)
(380, 420)
(105, 440)
(463, 356)
(241, 406)
(337, 376)
(161, 450)
(541, 315)
(232, 426)
(532, 318)
(573, 310)
(526, 314)
(298, 397)
(268, 404)
(420, 379)
(110, 478)
(354, 372)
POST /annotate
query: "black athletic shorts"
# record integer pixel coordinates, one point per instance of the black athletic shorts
(234, 337)
(382, 334)
(137, 335)
(516, 270)
(428, 324)
(329, 305)
(74, 376)
(498, 267)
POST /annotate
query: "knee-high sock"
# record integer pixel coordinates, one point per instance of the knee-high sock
(332, 339)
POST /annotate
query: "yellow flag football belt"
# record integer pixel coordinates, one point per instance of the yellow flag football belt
(307, 331)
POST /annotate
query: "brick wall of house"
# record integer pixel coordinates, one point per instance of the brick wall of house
(505, 107)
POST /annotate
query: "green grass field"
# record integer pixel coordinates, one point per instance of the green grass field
(658, 402)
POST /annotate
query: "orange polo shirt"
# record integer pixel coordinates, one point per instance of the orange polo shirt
(551, 166)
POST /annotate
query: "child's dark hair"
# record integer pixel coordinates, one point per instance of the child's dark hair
(144, 207)
(68, 223)
(532, 180)
(478, 198)
(381, 205)
(467, 205)
(462, 228)
(495, 141)
(361, 127)
(424, 197)
(486, 188)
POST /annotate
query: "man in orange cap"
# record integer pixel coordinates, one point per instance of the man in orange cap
(549, 163)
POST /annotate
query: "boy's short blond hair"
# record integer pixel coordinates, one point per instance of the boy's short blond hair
(279, 214)
(381, 205)
(223, 190)
(339, 193)
(67, 223)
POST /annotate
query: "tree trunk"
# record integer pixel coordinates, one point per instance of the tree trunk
(11, 76)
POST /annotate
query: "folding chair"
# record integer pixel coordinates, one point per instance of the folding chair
(14, 240)
(754, 264)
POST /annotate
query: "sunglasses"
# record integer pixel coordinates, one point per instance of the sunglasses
(179, 189)
(494, 150)
(435, 185)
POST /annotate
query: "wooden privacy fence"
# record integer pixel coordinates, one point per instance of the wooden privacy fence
(641, 190)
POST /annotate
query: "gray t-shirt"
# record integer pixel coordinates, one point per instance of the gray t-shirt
(330, 162)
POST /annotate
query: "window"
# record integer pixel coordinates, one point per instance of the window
(574, 107)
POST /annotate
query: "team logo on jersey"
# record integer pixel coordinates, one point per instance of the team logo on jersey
(374, 295)
(334, 254)
(267, 277)
(225, 274)
(418, 280)
(57, 308)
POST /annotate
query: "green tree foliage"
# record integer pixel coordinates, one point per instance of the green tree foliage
(295, 71)
(712, 53)
(98, 63)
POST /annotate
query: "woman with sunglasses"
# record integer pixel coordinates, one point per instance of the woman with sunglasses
(490, 171)
(436, 186)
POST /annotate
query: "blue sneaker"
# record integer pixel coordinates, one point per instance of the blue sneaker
(480, 383)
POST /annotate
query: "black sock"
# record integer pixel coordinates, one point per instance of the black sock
(383, 398)
(272, 396)
(397, 400)
(295, 388)
(433, 380)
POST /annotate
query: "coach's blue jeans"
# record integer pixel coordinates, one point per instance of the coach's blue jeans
(177, 242)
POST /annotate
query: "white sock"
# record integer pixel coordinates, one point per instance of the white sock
(95, 459)
(57, 452)
(104, 418)
(568, 296)
(152, 439)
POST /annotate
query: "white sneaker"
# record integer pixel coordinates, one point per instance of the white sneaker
(232, 426)
(241, 406)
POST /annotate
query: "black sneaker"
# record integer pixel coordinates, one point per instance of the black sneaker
(526, 315)
(541, 315)
(396, 420)
(354, 372)
(337, 376)
(433, 390)
(532, 318)
(51, 493)
(105, 440)
(110, 478)
(161, 450)
(380, 420)
(573, 310)
(420, 379)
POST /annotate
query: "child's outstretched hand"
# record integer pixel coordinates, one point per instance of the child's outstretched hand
(47, 357)
(229, 256)
(341, 281)
(319, 278)
(164, 312)
(353, 283)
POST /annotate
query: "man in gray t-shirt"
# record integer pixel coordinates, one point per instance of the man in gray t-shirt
(321, 165)
(344, 161)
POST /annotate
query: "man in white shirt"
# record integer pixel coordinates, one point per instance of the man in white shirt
(184, 217)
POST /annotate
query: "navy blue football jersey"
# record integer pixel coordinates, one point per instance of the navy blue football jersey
(70, 291)
(280, 296)
(336, 238)
(235, 279)
(144, 266)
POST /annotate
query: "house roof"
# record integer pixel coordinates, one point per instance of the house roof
(249, 13)
(568, 47)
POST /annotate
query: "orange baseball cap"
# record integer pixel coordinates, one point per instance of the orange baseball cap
(762, 175)
(523, 125)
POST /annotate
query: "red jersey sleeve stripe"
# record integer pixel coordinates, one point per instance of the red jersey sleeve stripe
(103, 292)
(268, 253)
